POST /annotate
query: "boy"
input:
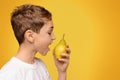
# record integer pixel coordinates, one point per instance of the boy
(33, 29)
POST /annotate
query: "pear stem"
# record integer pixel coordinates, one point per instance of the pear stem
(63, 35)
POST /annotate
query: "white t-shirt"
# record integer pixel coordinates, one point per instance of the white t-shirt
(16, 69)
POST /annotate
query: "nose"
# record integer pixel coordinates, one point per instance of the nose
(53, 37)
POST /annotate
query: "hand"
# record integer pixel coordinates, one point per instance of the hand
(62, 63)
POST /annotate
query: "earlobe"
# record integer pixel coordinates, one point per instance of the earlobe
(29, 36)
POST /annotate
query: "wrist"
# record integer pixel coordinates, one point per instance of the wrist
(62, 75)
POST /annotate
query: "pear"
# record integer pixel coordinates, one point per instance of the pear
(60, 48)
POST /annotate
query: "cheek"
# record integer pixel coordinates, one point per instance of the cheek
(41, 44)
(37, 44)
(42, 47)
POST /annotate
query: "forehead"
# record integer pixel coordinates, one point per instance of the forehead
(48, 25)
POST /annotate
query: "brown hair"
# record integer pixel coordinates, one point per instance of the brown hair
(26, 17)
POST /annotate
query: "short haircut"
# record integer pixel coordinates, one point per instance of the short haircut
(26, 17)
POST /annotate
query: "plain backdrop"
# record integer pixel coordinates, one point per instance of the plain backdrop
(92, 30)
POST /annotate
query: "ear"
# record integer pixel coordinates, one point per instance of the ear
(29, 36)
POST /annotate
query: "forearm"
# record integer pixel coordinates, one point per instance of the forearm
(62, 75)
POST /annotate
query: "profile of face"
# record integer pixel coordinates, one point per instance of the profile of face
(44, 38)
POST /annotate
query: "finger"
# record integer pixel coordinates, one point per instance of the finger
(67, 45)
(68, 50)
(65, 55)
(63, 60)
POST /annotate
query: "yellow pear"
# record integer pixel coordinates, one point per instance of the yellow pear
(60, 48)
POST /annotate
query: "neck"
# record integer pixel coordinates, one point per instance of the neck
(26, 54)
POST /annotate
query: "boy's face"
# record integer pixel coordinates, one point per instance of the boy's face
(44, 38)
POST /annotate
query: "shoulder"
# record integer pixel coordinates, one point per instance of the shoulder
(12, 64)
(8, 65)
(9, 75)
(9, 71)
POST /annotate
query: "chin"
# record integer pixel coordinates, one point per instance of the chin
(43, 53)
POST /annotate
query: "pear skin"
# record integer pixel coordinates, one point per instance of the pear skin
(60, 48)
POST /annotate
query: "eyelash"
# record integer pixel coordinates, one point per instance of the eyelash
(49, 33)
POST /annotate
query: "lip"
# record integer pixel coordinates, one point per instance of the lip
(50, 43)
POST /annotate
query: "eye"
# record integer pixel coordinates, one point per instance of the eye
(49, 33)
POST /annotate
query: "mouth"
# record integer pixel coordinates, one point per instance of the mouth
(50, 43)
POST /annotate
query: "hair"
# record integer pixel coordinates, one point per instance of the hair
(26, 17)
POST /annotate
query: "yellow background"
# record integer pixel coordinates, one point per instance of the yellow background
(92, 29)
